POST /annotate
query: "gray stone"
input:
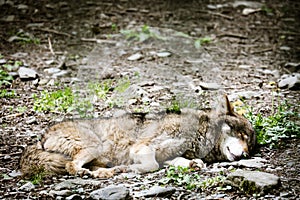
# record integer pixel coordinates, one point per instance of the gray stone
(113, 192)
(27, 73)
(72, 183)
(27, 187)
(250, 4)
(64, 193)
(164, 54)
(255, 162)
(74, 197)
(52, 70)
(292, 67)
(291, 82)
(245, 95)
(254, 181)
(2, 61)
(136, 56)
(156, 191)
(209, 86)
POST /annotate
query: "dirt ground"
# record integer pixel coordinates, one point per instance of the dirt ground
(245, 53)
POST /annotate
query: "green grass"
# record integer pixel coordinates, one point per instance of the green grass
(202, 41)
(144, 34)
(281, 124)
(61, 101)
(69, 101)
(185, 177)
(7, 94)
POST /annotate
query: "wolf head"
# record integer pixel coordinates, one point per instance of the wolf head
(235, 135)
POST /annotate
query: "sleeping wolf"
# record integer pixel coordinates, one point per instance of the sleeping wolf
(104, 147)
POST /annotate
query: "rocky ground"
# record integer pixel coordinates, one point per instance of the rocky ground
(154, 52)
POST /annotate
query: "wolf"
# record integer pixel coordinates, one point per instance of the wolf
(141, 143)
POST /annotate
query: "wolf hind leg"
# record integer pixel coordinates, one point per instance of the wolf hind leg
(144, 159)
(83, 157)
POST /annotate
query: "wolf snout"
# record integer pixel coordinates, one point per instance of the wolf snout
(236, 154)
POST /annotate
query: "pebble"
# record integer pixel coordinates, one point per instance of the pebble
(134, 57)
(209, 86)
(254, 181)
(291, 82)
(112, 192)
(27, 187)
(155, 191)
(27, 73)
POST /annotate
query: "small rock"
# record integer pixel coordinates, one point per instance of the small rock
(292, 67)
(64, 193)
(136, 56)
(164, 54)
(27, 73)
(52, 70)
(31, 120)
(248, 11)
(244, 67)
(249, 4)
(285, 48)
(8, 18)
(74, 197)
(2, 61)
(61, 73)
(112, 192)
(72, 183)
(27, 187)
(255, 162)
(155, 191)
(43, 81)
(22, 7)
(15, 173)
(254, 181)
(291, 82)
(245, 95)
(209, 86)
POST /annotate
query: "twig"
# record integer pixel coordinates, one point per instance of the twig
(232, 35)
(55, 32)
(221, 15)
(99, 41)
(261, 51)
(13, 115)
(50, 46)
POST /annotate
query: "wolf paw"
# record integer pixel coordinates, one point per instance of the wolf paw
(103, 173)
(197, 164)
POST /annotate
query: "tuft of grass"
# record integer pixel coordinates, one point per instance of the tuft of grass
(7, 94)
(202, 41)
(175, 107)
(184, 177)
(283, 124)
(65, 101)
(144, 34)
(37, 175)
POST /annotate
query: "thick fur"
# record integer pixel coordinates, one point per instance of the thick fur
(104, 147)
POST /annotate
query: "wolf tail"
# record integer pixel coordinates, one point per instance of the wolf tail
(35, 159)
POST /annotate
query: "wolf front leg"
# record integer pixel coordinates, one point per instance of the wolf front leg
(143, 157)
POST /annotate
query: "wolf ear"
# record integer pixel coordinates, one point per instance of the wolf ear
(224, 106)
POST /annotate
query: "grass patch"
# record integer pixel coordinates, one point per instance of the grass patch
(62, 101)
(7, 94)
(67, 100)
(202, 41)
(283, 124)
(184, 177)
(142, 35)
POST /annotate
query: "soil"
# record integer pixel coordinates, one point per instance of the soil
(244, 53)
